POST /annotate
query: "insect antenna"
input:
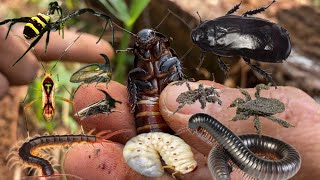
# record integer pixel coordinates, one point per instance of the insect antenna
(64, 52)
(199, 17)
(124, 29)
(184, 22)
(162, 20)
(185, 54)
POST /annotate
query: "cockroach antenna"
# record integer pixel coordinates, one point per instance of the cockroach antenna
(62, 54)
(199, 17)
(124, 29)
(162, 20)
(185, 54)
(184, 22)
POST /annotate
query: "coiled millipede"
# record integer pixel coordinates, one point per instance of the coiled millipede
(282, 162)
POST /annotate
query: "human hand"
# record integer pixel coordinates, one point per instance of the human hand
(105, 161)
(84, 50)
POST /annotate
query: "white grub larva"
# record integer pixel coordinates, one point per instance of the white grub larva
(143, 154)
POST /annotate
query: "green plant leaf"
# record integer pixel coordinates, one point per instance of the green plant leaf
(109, 7)
(121, 8)
(137, 6)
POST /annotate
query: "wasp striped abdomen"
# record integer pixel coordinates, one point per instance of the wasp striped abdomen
(33, 28)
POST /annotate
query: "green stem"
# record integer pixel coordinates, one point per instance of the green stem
(121, 57)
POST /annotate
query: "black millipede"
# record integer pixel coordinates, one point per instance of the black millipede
(284, 161)
(30, 156)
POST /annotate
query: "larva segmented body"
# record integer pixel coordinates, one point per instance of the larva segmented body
(143, 152)
(241, 150)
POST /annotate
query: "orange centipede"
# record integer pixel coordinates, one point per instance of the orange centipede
(29, 155)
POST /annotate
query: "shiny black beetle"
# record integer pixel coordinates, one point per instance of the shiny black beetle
(248, 37)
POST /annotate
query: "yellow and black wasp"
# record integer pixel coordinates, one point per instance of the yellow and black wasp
(36, 26)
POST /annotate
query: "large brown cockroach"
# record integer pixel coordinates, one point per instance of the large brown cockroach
(155, 66)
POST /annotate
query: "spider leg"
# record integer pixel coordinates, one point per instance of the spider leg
(14, 21)
(33, 43)
(47, 42)
(88, 10)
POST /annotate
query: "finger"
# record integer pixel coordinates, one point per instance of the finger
(88, 94)
(98, 161)
(84, 50)
(10, 50)
(301, 111)
(4, 85)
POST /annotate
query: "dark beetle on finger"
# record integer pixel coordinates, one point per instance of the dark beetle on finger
(245, 36)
